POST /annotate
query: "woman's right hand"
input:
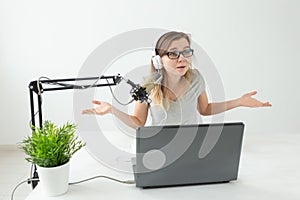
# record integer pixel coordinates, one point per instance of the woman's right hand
(102, 109)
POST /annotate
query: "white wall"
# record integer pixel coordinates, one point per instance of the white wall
(254, 44)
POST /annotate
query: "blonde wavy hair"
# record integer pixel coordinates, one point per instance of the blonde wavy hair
(160, 94)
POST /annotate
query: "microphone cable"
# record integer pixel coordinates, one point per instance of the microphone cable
(112, 93)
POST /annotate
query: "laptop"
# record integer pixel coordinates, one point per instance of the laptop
(177, 155)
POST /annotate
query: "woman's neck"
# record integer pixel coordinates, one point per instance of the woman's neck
(175, 86)
(173, 81)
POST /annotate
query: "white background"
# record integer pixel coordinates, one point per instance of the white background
(254, 44)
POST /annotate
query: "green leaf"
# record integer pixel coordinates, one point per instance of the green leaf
(50, 146)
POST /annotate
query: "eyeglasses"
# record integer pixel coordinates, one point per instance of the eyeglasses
(175, 54)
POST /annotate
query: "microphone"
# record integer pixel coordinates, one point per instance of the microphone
(138, 92)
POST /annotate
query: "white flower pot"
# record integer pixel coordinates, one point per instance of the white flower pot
(54, 181)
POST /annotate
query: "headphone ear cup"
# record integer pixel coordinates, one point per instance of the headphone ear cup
(157, 63)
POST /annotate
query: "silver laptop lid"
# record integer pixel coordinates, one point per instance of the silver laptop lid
(187, 154)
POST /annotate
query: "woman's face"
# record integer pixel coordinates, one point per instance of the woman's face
(178, 66)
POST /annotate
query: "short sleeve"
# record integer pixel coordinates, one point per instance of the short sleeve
(198, 83)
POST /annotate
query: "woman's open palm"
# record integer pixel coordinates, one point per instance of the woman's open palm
(248, 101)
(102, 109)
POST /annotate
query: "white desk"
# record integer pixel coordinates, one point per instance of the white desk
(269, 169)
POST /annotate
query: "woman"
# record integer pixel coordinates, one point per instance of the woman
(178, 94)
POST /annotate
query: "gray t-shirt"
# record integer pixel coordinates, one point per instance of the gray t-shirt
(184, 109)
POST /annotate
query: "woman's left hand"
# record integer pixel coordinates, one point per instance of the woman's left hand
(248, 101)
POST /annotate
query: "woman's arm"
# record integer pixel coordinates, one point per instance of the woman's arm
(246, 100)
(137, 119)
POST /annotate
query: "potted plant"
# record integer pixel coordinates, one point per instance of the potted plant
(51, 147)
